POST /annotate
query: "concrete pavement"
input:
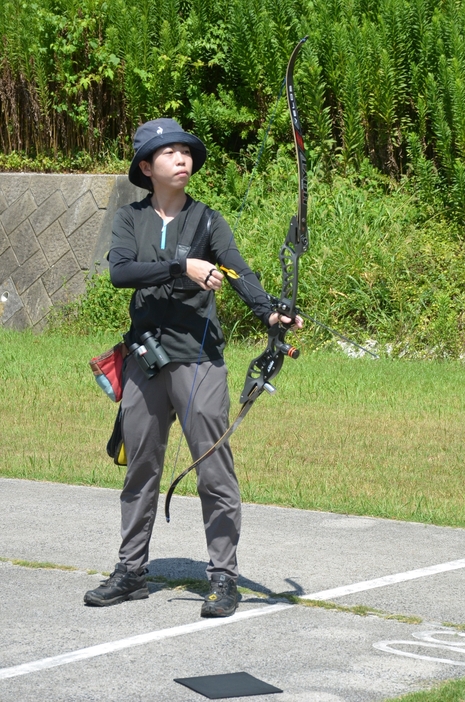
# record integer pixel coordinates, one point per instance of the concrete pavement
(312, 654)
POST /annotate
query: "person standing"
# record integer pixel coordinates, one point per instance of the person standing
(167, 247)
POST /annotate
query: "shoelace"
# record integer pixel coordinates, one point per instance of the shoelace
(218, 588)
(115, 577)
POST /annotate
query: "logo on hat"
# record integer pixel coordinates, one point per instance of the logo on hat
(160, 130)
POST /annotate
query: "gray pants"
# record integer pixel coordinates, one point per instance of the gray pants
(149, 408)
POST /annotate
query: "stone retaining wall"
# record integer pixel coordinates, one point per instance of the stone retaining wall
(54, 229)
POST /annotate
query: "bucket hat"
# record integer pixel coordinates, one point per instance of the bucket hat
(161, 132)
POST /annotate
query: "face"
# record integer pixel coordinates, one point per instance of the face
(170, 166)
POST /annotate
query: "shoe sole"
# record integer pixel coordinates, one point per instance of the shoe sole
(141, 594)
(206, 612)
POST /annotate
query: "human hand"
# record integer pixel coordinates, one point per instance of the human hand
(204, 274)
(275, 317)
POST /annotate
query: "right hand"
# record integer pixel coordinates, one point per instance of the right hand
(200, 271)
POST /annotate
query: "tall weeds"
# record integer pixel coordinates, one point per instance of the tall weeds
(378, 268)
(379, 79)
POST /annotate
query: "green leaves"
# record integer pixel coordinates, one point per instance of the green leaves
(80, 75)
(103, 308)
(382, 91)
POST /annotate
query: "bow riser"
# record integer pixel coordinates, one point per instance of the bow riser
(262, 369)
(289, 255)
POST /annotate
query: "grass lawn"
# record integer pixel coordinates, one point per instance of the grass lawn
(360, 436)
(381, 438)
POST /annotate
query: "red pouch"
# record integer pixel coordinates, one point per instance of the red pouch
(108, 371)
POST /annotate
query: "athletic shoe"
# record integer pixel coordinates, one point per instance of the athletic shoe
(222, 599)
(122, 585)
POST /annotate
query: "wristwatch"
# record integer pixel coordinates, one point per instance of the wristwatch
(175, 269)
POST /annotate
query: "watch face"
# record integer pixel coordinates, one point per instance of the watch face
(175, 269)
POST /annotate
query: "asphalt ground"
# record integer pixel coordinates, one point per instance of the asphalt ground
(54, 648)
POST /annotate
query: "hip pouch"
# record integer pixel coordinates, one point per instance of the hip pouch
(108, 371)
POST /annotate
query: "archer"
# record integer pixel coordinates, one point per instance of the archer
(167, 248)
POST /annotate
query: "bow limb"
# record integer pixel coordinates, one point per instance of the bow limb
(242, 412)
(296, 242)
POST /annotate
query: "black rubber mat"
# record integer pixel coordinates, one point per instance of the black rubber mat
(217, 687)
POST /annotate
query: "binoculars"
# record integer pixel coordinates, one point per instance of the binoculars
(150, 354)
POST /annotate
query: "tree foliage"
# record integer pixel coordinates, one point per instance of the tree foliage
(378, 79)
(381, 94)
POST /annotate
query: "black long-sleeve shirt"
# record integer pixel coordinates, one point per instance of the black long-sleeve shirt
(140, 257)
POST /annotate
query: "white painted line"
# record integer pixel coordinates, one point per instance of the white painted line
(110, 647)
(388, 647)
(386, 580)
(432, 637)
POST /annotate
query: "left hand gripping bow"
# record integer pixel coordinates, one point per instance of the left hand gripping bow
(267, 366)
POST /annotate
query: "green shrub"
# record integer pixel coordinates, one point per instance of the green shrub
(103, 308)
(377, 79)
(378, 267)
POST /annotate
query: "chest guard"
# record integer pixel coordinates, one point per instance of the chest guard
(195, 243)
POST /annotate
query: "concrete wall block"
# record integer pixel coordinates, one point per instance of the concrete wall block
(36, 302)
(127, 192)
(52, 229)
(75, 287)
(42, 185)
(41, 326)
(53, 242)
(60, 273)
(19, 321)
(3, 202)
(13, 185)
(17, 212)
(4, 242)
(14, 302)
(102, 188)
(8, 264)
(78, 213)
(30, 271)
(24, 242)
(74, 186)
(48, 212)
(83, 240)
